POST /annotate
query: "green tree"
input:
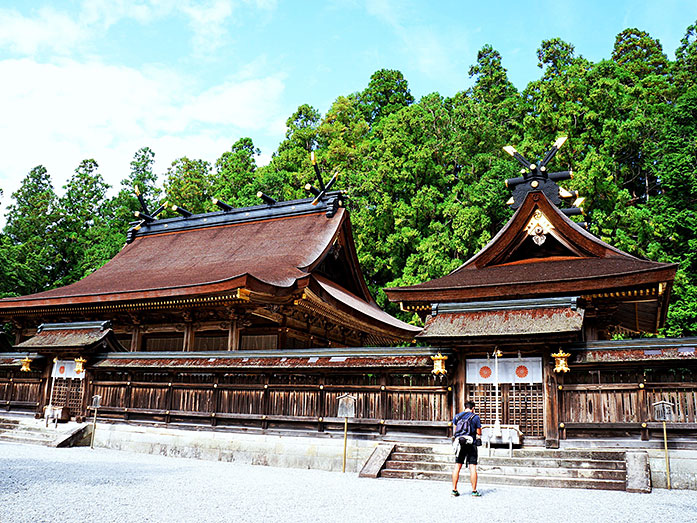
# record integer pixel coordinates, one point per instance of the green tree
(387, 93)
(84, 214)
(188, 184)
(28, 240)
(234, 178)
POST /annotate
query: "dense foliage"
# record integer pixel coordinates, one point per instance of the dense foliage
(425, 178)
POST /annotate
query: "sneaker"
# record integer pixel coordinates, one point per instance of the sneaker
(476, 494)
(455, 493)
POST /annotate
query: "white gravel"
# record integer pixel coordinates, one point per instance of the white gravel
(78, 484)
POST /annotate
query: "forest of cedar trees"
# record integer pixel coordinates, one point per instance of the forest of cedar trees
(424, 178)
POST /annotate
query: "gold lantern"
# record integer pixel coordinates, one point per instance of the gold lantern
(80, 365)
(26, 365)
(561, 361)
(439, 365)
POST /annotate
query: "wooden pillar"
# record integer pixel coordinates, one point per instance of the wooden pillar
(459, 384)
(43, 400)
(321, 402)
(233, 339)
(127, 395)
(551, 402)
(188, 336)
(265, 403)
(642, 414)
(383, 402)
(214, 399)
(169, 398)
(136, 338)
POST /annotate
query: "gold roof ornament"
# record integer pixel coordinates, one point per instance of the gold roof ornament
(439, 365)
(26, 364)
(561, 361)
(80, 365)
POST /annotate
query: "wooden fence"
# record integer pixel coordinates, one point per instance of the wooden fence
(624, 408)
(20, 390)
(308, 401)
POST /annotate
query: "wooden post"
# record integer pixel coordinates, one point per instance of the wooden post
(233, 339)
(127, 395)
(214, 399)
(551, 402)
(136, 338)
(169, 398)
(642, 414)
(265, 402)
(459, 385)
(321, 404)
(188, 337)
(11, 391)
(383, 402)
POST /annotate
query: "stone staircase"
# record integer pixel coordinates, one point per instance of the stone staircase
(583, 468)
(30, 431)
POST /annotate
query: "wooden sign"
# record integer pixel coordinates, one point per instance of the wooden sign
(347, 406)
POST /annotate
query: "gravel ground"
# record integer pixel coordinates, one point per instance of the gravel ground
(78, 484)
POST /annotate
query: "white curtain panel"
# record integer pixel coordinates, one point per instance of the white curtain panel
(511, 370)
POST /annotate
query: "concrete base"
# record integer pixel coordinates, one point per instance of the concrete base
(255, 449)
(638, 473)
(683, 469)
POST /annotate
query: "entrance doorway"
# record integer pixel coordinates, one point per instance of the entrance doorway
(520, 397)
(68, 393)
(521, 404)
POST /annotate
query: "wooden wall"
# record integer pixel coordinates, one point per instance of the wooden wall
(385, 401)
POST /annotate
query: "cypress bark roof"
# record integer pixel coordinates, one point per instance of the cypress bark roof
(274, 251)
(570, 261)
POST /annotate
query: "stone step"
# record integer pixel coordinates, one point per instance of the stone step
(503, 479)
(23, 437)
(545, 462)
(589, 453)
(483, 468)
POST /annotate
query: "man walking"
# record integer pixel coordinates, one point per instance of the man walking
(467, 431)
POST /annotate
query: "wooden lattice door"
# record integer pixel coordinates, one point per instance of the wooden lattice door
(520, 404)
(68, 393)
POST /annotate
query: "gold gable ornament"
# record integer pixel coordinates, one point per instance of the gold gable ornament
(561, 361)
(539, 227)
(26, 364)
(80, 365)
(439, 365)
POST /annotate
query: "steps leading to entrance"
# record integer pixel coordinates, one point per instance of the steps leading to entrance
(30, 431)
(584, 468)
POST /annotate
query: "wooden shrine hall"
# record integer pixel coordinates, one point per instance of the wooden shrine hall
(260, 317)
(539, 306)
(256, 316)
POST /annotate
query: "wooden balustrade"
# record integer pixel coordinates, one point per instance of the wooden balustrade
(266, 404)
(20, 393)
(624, 408)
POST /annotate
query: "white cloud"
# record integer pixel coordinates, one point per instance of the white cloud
(49, 29)
(59, 114)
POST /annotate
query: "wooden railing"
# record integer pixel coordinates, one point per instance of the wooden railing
(20, 393)
(266, 404)
(624, 408)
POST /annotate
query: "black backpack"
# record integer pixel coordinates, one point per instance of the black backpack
(463, 425)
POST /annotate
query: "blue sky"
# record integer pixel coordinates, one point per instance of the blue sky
(101, 78)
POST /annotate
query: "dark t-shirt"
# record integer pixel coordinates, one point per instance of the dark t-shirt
(475, 423)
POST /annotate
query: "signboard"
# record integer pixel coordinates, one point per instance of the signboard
(347, 406)
(511, 370)
(66, 369)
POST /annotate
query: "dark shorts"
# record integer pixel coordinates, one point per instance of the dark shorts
(467, 455)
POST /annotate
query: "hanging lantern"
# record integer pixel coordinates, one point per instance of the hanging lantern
(26, 365)
(80, 365)
(561, 361)
(439, 365)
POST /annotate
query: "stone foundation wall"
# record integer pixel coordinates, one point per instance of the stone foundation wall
(683, 468)
(324, 453)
